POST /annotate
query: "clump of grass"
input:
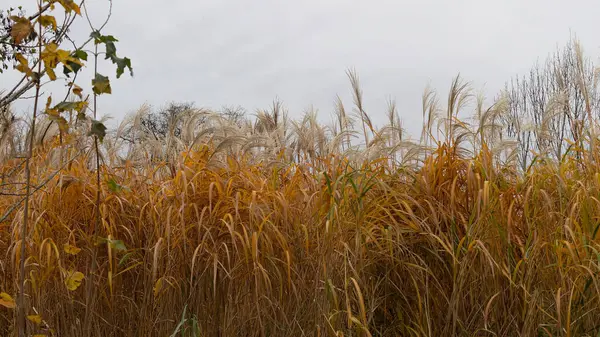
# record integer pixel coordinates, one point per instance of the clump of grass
(289, 228)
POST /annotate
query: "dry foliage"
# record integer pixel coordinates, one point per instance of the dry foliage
(290, 228)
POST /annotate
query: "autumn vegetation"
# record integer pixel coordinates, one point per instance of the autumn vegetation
(184, 221)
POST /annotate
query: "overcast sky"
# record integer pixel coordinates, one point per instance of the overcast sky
(242, 52)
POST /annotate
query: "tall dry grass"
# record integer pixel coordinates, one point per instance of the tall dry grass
(291, 228)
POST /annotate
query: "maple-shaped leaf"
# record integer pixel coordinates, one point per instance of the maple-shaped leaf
(101, 85)
(21, 28)
(73, 66)
(111, 52)
(73, 280)
(122, 63)
(47, 20)
(98, 129)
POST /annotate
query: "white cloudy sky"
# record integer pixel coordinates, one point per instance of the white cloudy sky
(242, 52)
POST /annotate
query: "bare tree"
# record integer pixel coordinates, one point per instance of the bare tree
(166, 120)
(235, 114)
(547, 106)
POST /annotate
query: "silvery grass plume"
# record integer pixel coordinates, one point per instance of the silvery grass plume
(10, 145)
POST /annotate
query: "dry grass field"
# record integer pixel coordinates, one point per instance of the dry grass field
(227, 225)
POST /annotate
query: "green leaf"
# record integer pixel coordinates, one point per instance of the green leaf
(121, 64)
(116, 187)
(99, 38)
(80, 54)
(98, 129)
(113, 186)
(111, 50)
(108, 38)
(66, 106)
(71, 67)
(101, 85)
(125, 258)
(117, 245)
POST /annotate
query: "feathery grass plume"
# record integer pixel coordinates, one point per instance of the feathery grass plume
(283, 227)
(9, 134)
(358, 103)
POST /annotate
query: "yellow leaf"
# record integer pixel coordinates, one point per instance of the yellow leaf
(73, 280)
(75, 8)
(49, 56)
(40, 335)
(80, 105)
(51, 47)
(47, 20)
(53, 113)
(7, 301)
(158, 287)
(23, 65)
(24, 69)
(62, 55)
(51, 73)
(69, 249)
(21, 58)
(21, 29)
(36, 319)
(70, 5)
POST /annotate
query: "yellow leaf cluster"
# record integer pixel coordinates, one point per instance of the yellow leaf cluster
(52, 56)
